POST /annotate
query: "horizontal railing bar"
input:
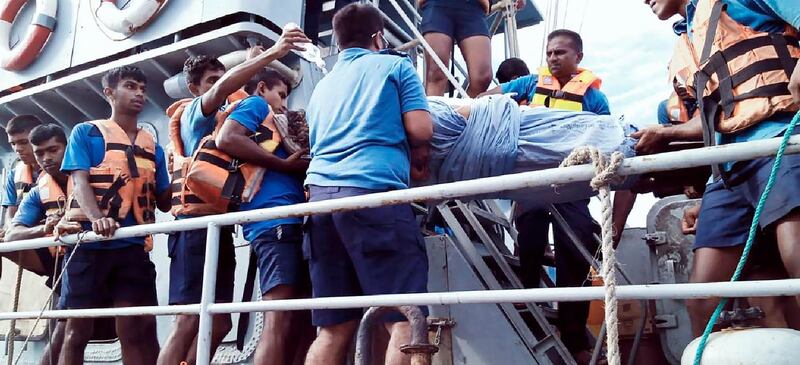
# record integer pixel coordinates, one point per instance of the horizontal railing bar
(533, 179)
(784, 287)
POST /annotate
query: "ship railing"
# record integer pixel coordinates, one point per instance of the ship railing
(483, 186)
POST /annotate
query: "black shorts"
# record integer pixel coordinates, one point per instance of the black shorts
(96, 278)
(187, 253)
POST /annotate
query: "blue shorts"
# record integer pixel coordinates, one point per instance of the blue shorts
(101, 278)
(457, 22)
(280, 258)
(364, 252)
(187, 252)
(726, 212)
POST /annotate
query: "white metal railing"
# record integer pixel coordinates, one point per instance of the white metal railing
(542, 178)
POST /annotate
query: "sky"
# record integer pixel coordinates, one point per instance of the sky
(625, 45)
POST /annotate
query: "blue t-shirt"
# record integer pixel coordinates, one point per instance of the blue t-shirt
(525, 87)
(10, 197)
(762, 16)
(195, 125)
(355, 119)
(86, 149)
(30, 212)
(454, 3)
(277, 188)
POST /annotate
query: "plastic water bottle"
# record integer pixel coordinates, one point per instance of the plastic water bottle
(311, 53)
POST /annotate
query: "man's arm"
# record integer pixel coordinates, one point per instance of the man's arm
(84, 194)
(18, 231)
(654, 139)
(419, 131)
(11, 210)
(234, 140)
(494, 91)
(238, 76)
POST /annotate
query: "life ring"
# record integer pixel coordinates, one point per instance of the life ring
(129, 20)
(42, 25)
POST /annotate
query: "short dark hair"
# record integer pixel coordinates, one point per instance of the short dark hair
(45, 132)
(511, 69)
(196, 66)
(115, 75)
(270, 77)
(354, 25)
(22, 124)
(577, 41)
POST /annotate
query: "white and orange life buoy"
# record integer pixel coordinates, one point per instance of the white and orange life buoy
(129, 20)
(42, 25)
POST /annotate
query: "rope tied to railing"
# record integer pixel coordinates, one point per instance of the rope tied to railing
(606, 168)
(56, 283)
(12, 328)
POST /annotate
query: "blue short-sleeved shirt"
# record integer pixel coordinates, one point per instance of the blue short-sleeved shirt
(277, 189)
(763, 16)
(86, 149)
(30, 211)
(355, 121)
(195, 125)
(10, 197)
(454, 3)
(525, 87)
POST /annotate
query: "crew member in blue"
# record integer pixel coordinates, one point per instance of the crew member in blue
(118, 176)
(22, 177)
(212, 87)
(38, 214)
(560, 85)
(276, 243)
(374, 137)
(758, 103)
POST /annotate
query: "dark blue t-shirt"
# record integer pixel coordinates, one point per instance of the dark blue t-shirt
(86, 149)
(277, 188)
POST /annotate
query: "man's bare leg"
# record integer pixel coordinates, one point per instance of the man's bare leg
(272, 348)
(477, 52)
(787, 232)
(400, 334)
(331, 344)
(435, 79)
(76, 336)
(710, 265)
(138, 339)
(53, 349)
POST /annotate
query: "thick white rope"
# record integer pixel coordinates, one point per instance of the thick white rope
(49, 300)
(12, 328)
(605, 174)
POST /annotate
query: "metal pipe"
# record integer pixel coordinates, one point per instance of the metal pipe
(208, 294)
(542, 178)
(419, 348)
(726, 289)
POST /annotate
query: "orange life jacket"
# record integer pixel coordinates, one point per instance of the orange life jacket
(23, 180)
(53, 201)
(483, 3)
(551, 94)
(743, 74)
(223, 181)
(682, 66)
(125, 180)
(184, 202)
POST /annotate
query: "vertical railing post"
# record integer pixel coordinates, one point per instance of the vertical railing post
(209, 293)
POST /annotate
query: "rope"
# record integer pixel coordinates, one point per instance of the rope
(56, 283)
(750, 238)
(12, 329)
(605, 174)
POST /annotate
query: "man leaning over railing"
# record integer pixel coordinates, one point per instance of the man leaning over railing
(369, 130)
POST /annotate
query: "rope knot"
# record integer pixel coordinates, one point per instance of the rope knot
(605, 166)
